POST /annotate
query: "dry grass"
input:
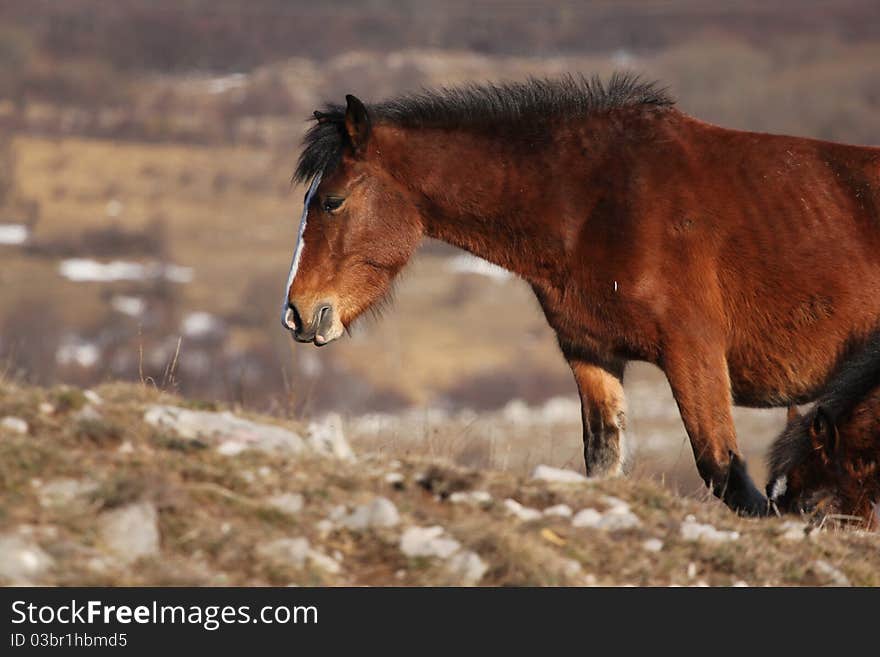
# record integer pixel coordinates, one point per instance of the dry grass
(214, 513)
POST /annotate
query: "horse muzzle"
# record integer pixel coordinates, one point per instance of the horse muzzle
(323, 327)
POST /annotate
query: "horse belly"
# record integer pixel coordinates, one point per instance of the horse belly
(789, 360)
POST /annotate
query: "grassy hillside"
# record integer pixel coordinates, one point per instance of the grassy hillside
(118, 486)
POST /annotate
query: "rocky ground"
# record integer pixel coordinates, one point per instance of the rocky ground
(126, 485)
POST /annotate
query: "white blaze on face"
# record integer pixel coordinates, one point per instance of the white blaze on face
(286, 312)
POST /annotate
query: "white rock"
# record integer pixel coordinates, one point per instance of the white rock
(14, 424)
(615, 503)
(472, 497)
(324, 562)
(98, 565)
(232, 434)
(587, 518)
(571, 567)
(93, 397)
(131, 532)
(46, 408)
(692, 570)
(22, 560)
(521, 512)
(652, 545)
(830, 573)
(289, 503)
(394, 479)
(337, 513)
(285, 551)
(381, 512)
(615, 519)
(467, 567)
(428, 542)
(691, 530)
(87, 413)
(327, 437)
(618, 520)
(64, 492)
(232, 447)
(793, 530)
(560, 510)
(558, 475)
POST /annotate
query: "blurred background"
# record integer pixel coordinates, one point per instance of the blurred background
(147, 217)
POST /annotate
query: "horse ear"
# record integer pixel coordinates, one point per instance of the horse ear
(824, 434)
(357, 122)
(793, 414)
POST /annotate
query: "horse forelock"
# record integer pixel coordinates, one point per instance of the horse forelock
(322, 145)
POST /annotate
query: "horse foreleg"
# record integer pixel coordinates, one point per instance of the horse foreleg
(603, 414)
(701, 387)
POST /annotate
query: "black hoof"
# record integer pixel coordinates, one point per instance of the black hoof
(739, 492)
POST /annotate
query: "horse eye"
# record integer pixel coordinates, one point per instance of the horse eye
(332, 203)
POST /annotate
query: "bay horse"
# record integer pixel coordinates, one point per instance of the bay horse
(828, 459)
(645, 234)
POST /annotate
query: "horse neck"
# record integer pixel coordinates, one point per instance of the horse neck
(484, 195)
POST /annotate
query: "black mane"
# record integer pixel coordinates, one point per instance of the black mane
(508, 104)
(856, 377)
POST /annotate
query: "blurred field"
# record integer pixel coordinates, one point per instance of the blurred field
(145, 135)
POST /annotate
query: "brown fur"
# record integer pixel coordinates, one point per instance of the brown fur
(646, 234)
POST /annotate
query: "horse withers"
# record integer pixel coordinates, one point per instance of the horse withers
(827, 461)
(645, 234)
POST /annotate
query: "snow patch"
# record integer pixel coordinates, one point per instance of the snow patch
(13, 234)
(200, 324)
(86, 270)
(128, 305)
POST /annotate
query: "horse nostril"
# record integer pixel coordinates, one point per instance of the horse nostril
(323, 323)
(321, 313)
(293, 314)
